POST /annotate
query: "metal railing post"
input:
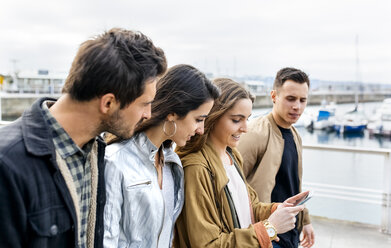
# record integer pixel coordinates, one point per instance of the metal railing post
(386, 206)
(1, 112)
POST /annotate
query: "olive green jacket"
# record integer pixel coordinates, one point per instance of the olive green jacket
(262, 148)
(206, 219)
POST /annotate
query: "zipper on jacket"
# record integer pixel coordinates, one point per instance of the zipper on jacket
(145, 182)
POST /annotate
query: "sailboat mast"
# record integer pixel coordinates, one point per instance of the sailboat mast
(358, 79)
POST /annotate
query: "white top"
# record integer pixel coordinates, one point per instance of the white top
(239, 194)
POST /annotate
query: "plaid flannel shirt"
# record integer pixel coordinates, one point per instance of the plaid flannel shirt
(78, 164)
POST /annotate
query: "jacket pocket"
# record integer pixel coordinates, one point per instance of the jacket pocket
(139, 184)
(51, 221)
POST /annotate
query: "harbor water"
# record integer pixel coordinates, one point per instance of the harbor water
(333, 138)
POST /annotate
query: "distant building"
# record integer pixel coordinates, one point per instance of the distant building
(41, 81)
(256, 87)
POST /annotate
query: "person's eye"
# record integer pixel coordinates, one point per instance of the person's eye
(199, 120)
(235, 121)
(303, 100)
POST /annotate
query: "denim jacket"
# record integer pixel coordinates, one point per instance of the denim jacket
(36, 208)
(134, 211)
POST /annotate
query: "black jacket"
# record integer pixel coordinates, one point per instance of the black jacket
(36, 208)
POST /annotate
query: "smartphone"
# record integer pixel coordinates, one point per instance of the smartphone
(305, 199)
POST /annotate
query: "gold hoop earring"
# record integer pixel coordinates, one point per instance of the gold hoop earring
(164, 129)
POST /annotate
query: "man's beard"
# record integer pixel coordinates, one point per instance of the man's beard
(115, 125)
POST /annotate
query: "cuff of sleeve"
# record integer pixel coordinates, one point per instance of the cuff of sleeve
(275, 206)
(306, 215)
(262, 236)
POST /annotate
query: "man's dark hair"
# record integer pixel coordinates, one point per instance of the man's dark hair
(119, 61)
(290, 73)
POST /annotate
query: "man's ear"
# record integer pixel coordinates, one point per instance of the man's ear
(273, 95)
(108, 103)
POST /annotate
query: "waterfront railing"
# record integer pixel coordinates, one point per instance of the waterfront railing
(350, 183)
(3, 123)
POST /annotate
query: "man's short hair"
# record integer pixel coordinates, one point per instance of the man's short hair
(289, 73)
(118, 61)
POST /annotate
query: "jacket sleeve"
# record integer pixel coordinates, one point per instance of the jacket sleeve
(252, 146)
(112, 213)
(13, 217)
(304, 218)
(201, 221)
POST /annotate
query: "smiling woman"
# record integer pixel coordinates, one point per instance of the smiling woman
(227, 208)
(144, 176)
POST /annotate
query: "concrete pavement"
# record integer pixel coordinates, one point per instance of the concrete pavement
(343, 234)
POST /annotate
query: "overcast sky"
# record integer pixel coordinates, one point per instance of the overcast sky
(244, 37)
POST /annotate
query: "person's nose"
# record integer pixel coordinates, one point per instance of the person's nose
(147, 112)
(243, 128)
(200, 128)
(297, 105)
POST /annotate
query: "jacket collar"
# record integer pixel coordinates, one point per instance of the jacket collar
(215, 166)
(36, 132)
(277, 131)
(150, 150)
(275, 128)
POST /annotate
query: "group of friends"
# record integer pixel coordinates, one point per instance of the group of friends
(137, 155)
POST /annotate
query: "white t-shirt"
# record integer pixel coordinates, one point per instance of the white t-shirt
(239, 194)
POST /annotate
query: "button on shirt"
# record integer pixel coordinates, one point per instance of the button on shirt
(78, 164)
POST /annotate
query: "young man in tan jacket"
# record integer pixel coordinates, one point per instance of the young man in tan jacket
(272, 151)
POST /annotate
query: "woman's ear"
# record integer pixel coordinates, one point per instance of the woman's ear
(172, 117)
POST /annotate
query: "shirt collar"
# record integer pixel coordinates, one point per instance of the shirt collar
(61, 138)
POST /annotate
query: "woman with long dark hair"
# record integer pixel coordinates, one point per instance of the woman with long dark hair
(144, 176)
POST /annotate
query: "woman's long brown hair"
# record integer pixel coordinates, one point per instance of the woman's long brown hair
(231, 92)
